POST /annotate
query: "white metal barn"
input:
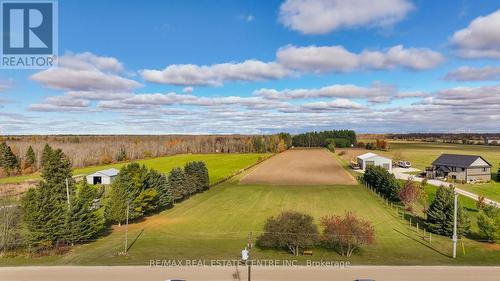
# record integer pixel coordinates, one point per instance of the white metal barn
(103, 177)
(367, 159)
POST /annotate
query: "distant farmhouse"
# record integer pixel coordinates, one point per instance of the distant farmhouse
(368, 159)
(103, 177)
(460, 167)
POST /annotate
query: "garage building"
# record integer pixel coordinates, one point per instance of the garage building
(103, 177)
(368, 159)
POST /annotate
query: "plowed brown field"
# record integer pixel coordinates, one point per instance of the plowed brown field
(300, 167)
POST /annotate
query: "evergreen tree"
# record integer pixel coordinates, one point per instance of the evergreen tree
(131, 186)
(84, 221)
(199, 173)
(116, 207)
(177, 180)
(441, 212)
(160, 183)
(47, 150)
(45, 208)
(7, 158)
(30, 158)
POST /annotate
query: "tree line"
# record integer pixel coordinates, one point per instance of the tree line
(144, 191)
(339, 138)
(86, 151)
(60, 212)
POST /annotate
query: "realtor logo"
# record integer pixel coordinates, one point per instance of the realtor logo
(29, 34)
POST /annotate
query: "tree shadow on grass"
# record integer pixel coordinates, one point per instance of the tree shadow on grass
(422, 243)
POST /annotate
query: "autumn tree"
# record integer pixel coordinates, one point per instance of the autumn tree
(410, 193)
(10, 224)
(292, 231)
(346, 234)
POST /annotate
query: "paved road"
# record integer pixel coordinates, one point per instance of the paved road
(144, 273)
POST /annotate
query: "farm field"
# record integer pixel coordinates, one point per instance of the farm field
(219, 165)
(215, 225)
(300, 167)
(421, 155)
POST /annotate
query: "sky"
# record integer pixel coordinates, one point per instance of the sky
(261, 67)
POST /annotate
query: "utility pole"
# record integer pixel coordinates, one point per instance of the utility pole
(455, 238)
(126, 229)
(67, 192)
(249, 256)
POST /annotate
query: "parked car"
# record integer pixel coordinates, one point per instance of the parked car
(404, 164)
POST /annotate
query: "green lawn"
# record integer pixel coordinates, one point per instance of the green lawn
(215, 225)
(421, 155)
(219, 165)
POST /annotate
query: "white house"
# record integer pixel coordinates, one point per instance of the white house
(367, 159)
(103, 177)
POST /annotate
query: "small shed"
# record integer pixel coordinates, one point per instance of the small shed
(103, 177)
(368, 159)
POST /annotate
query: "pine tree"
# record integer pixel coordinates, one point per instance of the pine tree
(84, 222)
(45, 208)
(7, 158)
(47, 150)
(116, 207)
(30, 158)
(199, 172)
(441, 212)
(177, 180)
(160, 183)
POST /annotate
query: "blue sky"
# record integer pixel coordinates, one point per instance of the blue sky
(251, 67)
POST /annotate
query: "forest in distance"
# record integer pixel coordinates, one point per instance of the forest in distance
(89, 150)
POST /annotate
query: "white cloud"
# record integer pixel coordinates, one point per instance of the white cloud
(323, 16)
(481, 39)
(85, 72)
(6, 84)
(465, 73)
(216, 74)
(187, 90)
(338, 59)
(375, 93)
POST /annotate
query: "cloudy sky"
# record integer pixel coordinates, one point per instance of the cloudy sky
(251, 67)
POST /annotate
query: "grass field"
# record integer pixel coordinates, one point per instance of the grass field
(421, 155)
(219, 165)
(215, 225)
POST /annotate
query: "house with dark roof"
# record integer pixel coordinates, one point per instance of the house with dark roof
(468, 168)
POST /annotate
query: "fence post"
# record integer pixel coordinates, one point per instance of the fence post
(417, 227)
(430, 237)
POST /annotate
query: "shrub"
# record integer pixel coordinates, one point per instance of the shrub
(488, 222)
(292, 231)
(346, 234)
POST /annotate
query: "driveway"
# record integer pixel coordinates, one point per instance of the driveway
(402, 174)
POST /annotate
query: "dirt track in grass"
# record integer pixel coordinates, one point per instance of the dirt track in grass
(300, 167)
